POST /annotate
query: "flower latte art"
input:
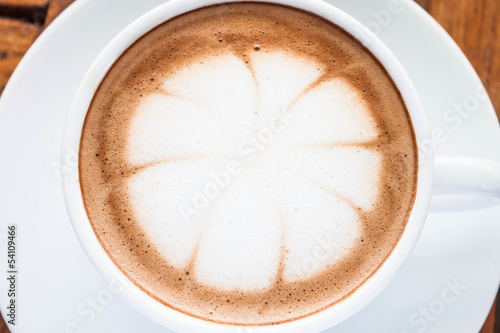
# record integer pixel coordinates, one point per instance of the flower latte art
(248, 164)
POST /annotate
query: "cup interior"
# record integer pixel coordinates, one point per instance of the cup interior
(179, 321)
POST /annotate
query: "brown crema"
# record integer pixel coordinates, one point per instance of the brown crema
(237, 28)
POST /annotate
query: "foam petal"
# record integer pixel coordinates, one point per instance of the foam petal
(281, 79)
(166, 127)
(351, 172)
(225, 86)
(241, 245)
(319, 231)
(169, 204)
(331, 113)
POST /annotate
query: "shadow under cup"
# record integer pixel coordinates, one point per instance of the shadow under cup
(175, 319)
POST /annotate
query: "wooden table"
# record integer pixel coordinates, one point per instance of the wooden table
(473, 24)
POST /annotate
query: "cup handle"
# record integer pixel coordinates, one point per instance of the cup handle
(457, 175)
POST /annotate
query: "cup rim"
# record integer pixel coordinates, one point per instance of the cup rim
(169, 317)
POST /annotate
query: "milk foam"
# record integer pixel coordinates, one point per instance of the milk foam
(157, 193)
(316, 137)
(281, 80)
(241, 245)
(304, 189)
(203, 110)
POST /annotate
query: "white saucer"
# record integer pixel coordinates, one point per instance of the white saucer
(60, 291)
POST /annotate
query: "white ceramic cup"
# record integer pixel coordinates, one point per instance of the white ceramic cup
(454, 175)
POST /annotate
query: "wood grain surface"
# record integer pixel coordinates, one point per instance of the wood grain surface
(473, 24)
(24, 3)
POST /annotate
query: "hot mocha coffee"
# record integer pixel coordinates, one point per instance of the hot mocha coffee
(248, 163)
